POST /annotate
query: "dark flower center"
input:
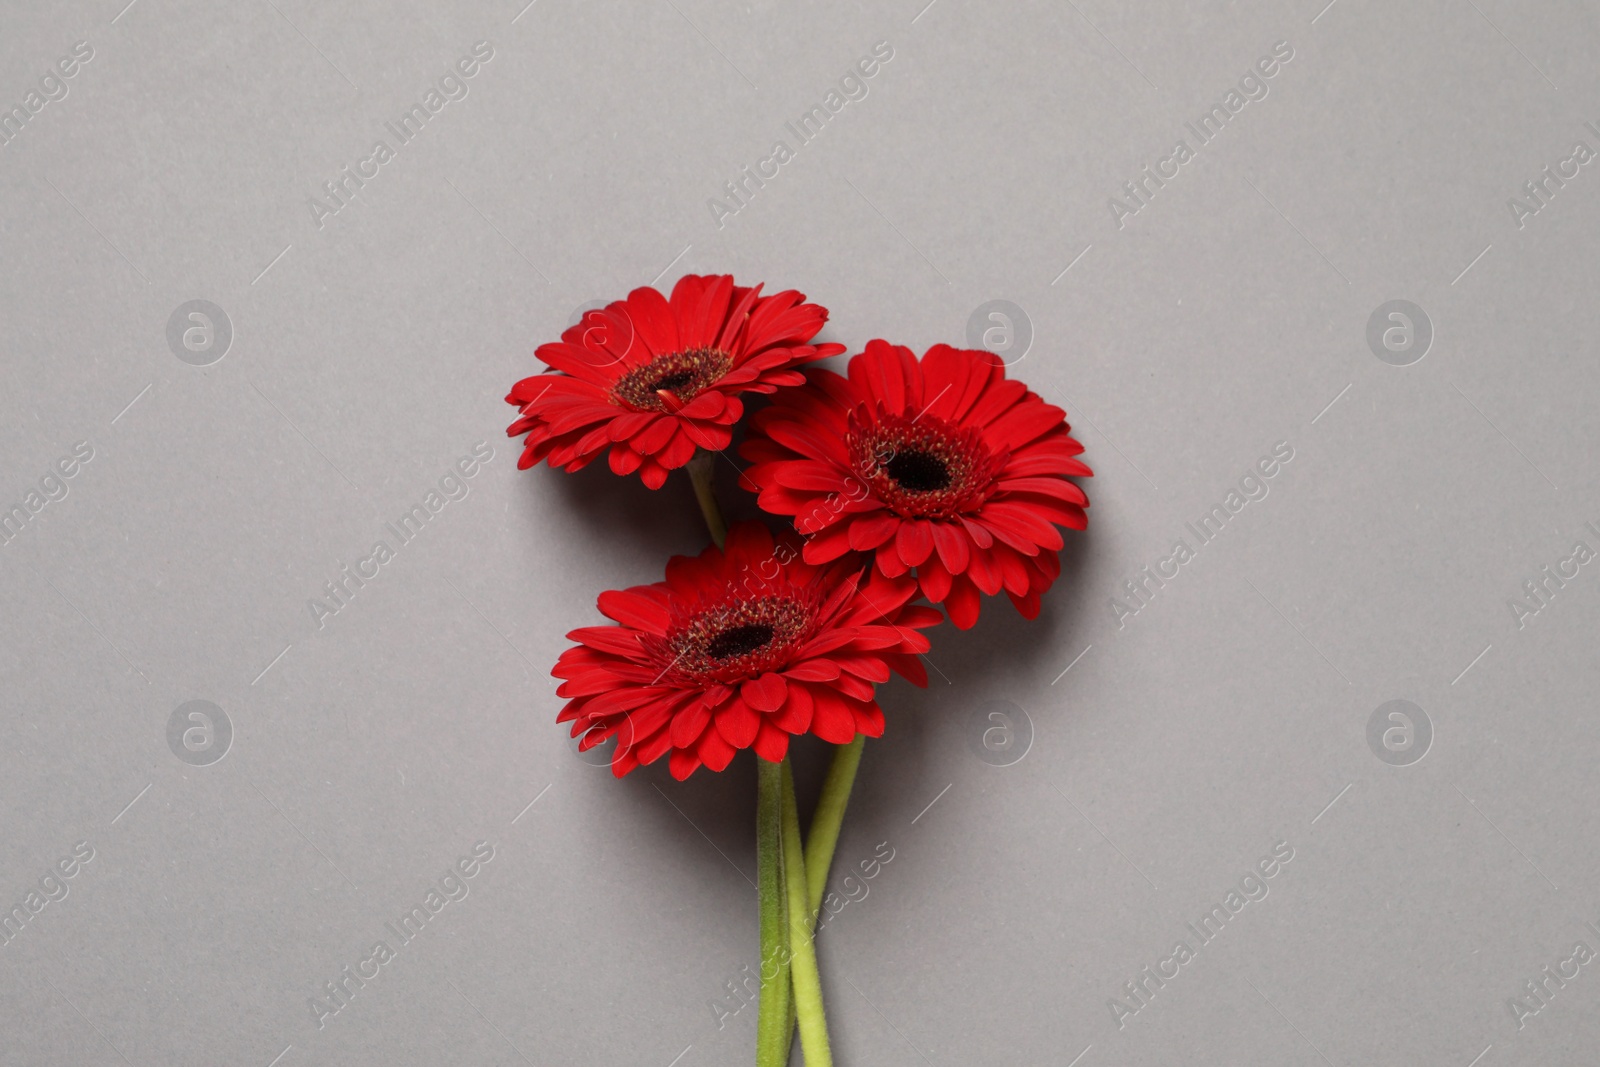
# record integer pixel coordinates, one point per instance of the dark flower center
(674, 381)
(739, 641)
(684, 375)
(918, 472)
(922, 467)
(741, 634)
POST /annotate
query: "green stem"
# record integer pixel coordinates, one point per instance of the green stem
(828, 818)
(825, 824)
(700, 474)
(772, 1032)
(803, 963)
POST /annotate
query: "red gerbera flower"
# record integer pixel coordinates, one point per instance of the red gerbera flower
(654, 380)
(945, 467)
(740, 648)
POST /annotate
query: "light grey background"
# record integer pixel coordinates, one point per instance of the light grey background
(368, 355)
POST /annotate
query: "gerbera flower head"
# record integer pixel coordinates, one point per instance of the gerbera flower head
(741, 647)
(653, 379)
(944, 468)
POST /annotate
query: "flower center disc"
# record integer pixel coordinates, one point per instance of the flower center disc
(918, 472)
(683, 374)
(739, 637)
(739, 641)
(674, 381)
(921, 467)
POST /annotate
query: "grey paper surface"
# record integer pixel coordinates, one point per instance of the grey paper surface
(1193, 311)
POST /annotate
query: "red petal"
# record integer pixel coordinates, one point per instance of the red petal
(914, 541)
(737, 723)
(815, 670)
(624, 460)
(1046, 569)
(881, 371)
(652, 748)
(1028, 605)
(714, 750)
(869, 719)
(1023, 423)
(1021, 521)
(690, 723)
(795, 717)
(641, 607)
(683, 763)
(851, 686)
(809, 474)
(954, 378)
(625, 760)
(652, 317)
(654, 437)
(996, 399)
(737, 315)
(1057, 488)
(771, 743)
(831, 719)
(935, 580)
(616, 640)
(828, 545)
(910, 668)
(868, 668)
(1034, 460)
(962, 604)
(679, 450)
(629, 423)
(954, 545)
(707, 435)
(708, 405)
(981, 537)
(984, 570)
(1013, 570)
(870, 531)
(917, 616)
(765, 693)
(652, 474)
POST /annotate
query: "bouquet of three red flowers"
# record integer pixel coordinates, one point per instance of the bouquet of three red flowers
(904, 480)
